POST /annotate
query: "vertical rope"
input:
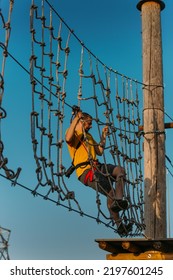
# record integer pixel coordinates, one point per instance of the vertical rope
(4, 45)
(48, 101)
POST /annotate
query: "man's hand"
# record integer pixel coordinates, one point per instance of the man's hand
(105, 131)
(79, 114)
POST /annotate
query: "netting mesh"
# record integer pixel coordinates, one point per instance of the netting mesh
(64, 73)
(59, 81)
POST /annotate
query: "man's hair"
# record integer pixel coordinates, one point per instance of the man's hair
(86, 115)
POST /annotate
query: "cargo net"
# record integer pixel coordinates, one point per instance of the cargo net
(4, 239)
(66, 75)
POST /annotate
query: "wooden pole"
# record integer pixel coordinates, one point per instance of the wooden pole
(154, 131)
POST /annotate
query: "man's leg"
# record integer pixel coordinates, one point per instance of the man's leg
(110, 200)
(116, 203)
(119, 203)
(119, 175)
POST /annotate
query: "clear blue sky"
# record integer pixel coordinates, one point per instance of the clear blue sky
(112, 31)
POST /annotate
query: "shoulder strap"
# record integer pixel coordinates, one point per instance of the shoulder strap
(80, 142)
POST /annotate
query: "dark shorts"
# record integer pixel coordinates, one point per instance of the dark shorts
(102, 181)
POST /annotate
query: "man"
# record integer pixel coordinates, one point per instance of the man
(84, 150)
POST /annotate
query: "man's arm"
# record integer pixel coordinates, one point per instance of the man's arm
(71, 130)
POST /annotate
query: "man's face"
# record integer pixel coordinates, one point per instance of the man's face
(87, 124)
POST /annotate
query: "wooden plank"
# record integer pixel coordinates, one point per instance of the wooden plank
(131, 247)
(107, 247)
(149, 255)
(166, 125)
(136, 245)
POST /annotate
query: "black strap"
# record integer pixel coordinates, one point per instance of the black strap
(72, 168)
(81, 164)
(80, 141)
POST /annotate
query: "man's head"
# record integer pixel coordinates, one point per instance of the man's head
(87, 121)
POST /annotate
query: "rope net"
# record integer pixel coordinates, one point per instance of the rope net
(65, 75)
(58, 80)
(5, 21)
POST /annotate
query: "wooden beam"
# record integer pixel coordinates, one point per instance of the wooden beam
(149, 255)
(129, 246)
(107, 247)
(166, 125)
(137, 248)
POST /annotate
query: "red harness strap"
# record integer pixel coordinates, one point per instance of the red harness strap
(90, 173)
(89, 176)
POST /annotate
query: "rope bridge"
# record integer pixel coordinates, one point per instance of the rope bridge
(64, 74)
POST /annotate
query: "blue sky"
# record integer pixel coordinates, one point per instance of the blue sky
(112, 31)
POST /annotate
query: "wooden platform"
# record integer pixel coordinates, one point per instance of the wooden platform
(137, 249)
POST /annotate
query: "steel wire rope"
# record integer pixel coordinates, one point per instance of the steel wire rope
(55, 202)
(168, 116)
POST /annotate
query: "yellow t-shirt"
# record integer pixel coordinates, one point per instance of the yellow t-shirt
(85, 151)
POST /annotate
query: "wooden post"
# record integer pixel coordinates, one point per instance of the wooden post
(154, 131)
